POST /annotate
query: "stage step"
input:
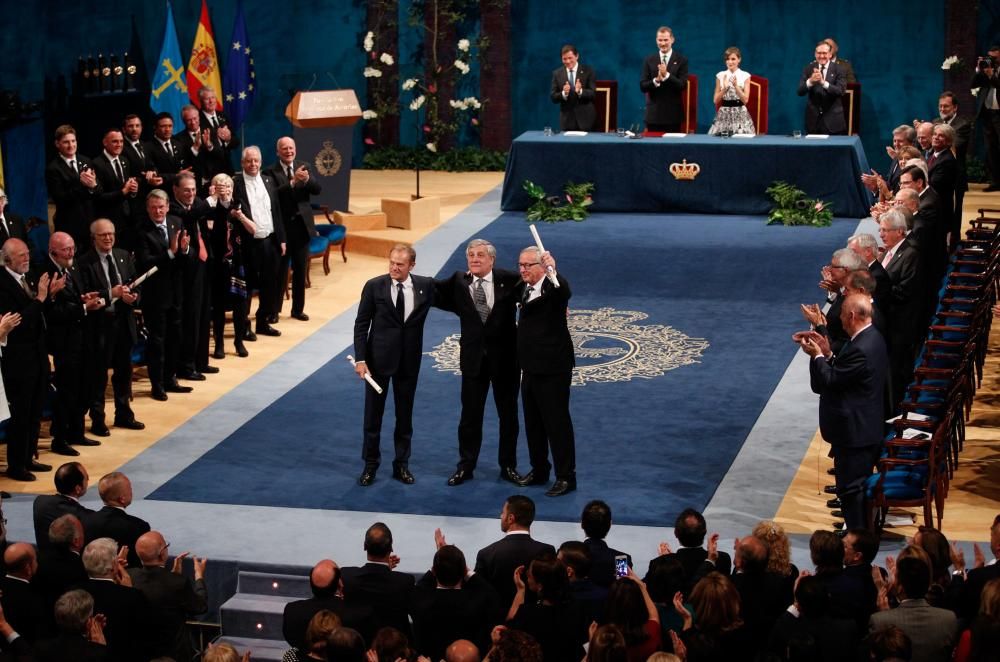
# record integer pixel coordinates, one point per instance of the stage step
(380, 242)
(251, 619)
(263, 583)
(260, 649)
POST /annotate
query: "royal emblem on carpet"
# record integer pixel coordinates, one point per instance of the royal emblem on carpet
(611, 346)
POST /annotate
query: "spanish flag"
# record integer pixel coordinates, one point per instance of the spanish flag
(203, 69)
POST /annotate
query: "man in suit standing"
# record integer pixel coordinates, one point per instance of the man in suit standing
(573, 90)
(201, 152)
(690, 530)
(865, 246)
(388, 341)
(119, 185)
(11, 225)
(944, 173)
(485, 300)
(545, 354)
(295, 186)
(849, 76)
(327, 593)
(217, 122)
(977, 578)
(496, 562)
(851, 388)
(906, 299)
(824, 83)
(164, 153)
(60, 566)
(71, 481)
(256, 196)
(377, 585)
(903, 135)
(596, 522)
(948, 114)
(112, 332)
(111, 521)
(663, 81)
(988, 111)
(73, 186)
(25, 363)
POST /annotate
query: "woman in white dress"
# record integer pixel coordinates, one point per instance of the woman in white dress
(7, 322)
(732, 90)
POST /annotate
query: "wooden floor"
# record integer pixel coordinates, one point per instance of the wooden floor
(974, 498)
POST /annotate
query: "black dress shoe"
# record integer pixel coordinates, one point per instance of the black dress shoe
(59, 448)
(272, 319)
(837, 513)
(219, 352)
(530, 479)
(833, 503)
(831, 471)
(208, 370)
(561, 487)
(510, 475)
(267, 330)
(250, 336)
(100, 429)
(35, 465)
(159, 394)
(830, 489)
(241, 350)
(174, 387)
(302, 317)
(460, 477)
(191, 376)
(21, 474)
(130, 424)
(367, 478)
(83, 441)
(403, 475)
(4, 494)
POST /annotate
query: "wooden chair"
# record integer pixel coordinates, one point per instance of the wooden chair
(851, 98)
(757, 103)
(689, 99)
(606, 105)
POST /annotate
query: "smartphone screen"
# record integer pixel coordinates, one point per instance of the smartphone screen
(621, 565)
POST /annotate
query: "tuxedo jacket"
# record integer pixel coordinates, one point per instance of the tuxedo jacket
(64, 313)
(138, 163)
(943, 176)
(602, 561)
(906, 295)
(207, 163)
(47, 508)
(95, 280)
(388, 345)
(496, 339)
(692, 560)
(111, 203)
(883, 289)
(115, 523)
(240, 196)
(576, 111)
(74, 201)
(129, 619)
(234, 142)
(824, 110)
(496, 562)
(23, 607)
(25, 349)
(663, 102)
(172, 599)
(441, 616)
(59, 570)
(294, 199)
(544, 346)
(385, 591)
(14, 228)
(933, 632)
(298, 613)
(851, 387)
(162, 289)
(963, 132)
(195, 221)
(70, 647)
(165, 165)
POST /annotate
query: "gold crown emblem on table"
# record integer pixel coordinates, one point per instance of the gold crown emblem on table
(684, 170)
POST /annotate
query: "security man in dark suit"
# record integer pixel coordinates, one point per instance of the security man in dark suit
(388, 341)
(663, 81)
(823, 82)
(73, 187)
(485, 300)
(573, 89)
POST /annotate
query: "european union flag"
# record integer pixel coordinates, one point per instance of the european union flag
(240, 83)
(169, 85)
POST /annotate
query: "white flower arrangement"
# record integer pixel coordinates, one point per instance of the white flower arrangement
(386, 59)
(432, 147)
(463, 45)
(409, 83)
(372, 72)
(949, 62)
(369, 41)
(974, 91)
(369, 115)
(462, 66)
(472, 102)
(418, 102)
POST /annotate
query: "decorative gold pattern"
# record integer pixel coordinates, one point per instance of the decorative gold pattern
(685, 171)
(328, 160)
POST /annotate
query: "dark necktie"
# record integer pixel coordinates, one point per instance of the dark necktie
(163, 231)
(931, 160)
(527, 294)
(170, 148)
(138, 150)
(822, 71)
(6, 228)
(288, 170)
(26, 287)
(72, 164)
(112, 273)
(572, 78)
(479, 298)
(400, 303)
(118, 171)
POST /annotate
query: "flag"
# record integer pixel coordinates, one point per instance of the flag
(240, 84)
(203, 68)
(169, 90)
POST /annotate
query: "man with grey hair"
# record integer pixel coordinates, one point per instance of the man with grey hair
(112, 521)
(836, 275)
(126, 609)
(866, 247)
(925, 131)
(903, 135)
(60, 565)
(906, 300)
(944, 173)
(485, 299)
(80, 632)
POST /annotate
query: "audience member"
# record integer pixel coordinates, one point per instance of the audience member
(714, 631)
(808, 631)
(607, 644)
(232, 234)
(889, 644)
(779, 552)
(345, 645)
(763, 595)
(596, 522)
(511, 645)
(318, 630)
(980, 574)
(80, 632)
(945, 588)
(112, 521)
(327, 595)
(20, 597)
(576, 557)
(462, 651)
(73, 186)
(981, 640)
(559, 625)
(690, 530)
(60, 566)
(224, 652)
(377, 585)
(906, 301)
(632, 611)
(72, 481)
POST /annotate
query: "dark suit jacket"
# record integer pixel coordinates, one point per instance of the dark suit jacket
(59, 570)
(162, 289)
(25, 351)
(984, 83)
(906, 301)
(663, 102)
(240, 195)
(833, 639)
(111, 203)
(851, 388)
(294, 200)
(693, 561)
(943, 176)
(47, 508)
(933, 632)
(173, 599)
(496, 340)
(23, 606)
(440, 616)
(544, 345)
(602, 561)
(576, 112)
(973, 588)
(386, 344)
(385, 591)
(207, 163)
(18, 230)
(824, 112)
(70, 647)
(195, 220)
(115, 523)
(233, 144)
(963, 132)
(137, 164)
(95, 281)
(163, 163)
(496, 562)
(883, 289)
(74, 201)
(64, 314)
(298, 613)
(129, 619)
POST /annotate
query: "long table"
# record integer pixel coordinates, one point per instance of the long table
(634, 175)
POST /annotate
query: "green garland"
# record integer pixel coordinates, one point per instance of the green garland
(792, 207)
(553, 208)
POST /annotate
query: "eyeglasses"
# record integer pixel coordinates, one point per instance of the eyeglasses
(163, 549)
(526, 265)
(104, 235)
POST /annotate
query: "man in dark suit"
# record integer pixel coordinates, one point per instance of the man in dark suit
(596, 522)
(201, 152)
(988, 110)
(944, 173)
(903, 135)
(164, 153)
(295, 186)
(81, 635)
(496, 562)
(573, 90)
(217, 122)
(112, 330)
(25, 363)
(849, 75)
(485, 300)
(663, 81)
(851, 388)
(388, 341)
(327, 593)
(948, 114)
(119, 185)
(377, 585)
(162, 243)
(60, 566)
(11, 225)
(583, 590)
(256, 196)
(72, 185)
(71, 481)
(112, 521)
(906, 300)
(545, 354)
(22, 601)
(984, 571)
(690, 530)
(824, 83)
(866, 247)
(173, 597)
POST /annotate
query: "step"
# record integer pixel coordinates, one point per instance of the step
(372, 220)
(260, 649)
(380, 242)
(250, 615)
(266, 583)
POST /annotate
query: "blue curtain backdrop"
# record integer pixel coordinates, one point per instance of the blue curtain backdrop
(896, 47)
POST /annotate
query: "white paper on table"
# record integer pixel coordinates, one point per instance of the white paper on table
(673, 135)
(743, 135)
(900, 520)
(817, 136)
(574, 133)
(913, 416)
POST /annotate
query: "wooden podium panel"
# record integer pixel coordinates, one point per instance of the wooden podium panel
(310, 110)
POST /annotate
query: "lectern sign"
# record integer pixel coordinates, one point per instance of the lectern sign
(324, 108)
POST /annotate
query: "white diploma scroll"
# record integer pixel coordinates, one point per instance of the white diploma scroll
(550, 272)
(142, 279)
(368, 376)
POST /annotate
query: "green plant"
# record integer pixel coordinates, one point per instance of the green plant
(465, 159)
(975, 169)
(554, 208)
(792, 207)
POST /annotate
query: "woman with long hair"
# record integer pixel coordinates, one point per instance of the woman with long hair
(633, 612)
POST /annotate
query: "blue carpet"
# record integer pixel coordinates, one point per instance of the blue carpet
(651, 445)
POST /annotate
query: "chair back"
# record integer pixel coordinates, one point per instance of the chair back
(606, 105)
(851, 98)
(757, 103)
(690, 102)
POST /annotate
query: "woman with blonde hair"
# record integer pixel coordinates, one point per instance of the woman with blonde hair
(779, 552)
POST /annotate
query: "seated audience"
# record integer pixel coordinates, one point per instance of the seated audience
(71, 481)
(714, 631)
(345, 645)
(982, 573)
(559, 625)
(808, 631)
(20, 598)
(377, 585)
(981, 640)
(510, 645)
(112, 521)
(632, 612)
(462, 650)
(320, 627)
(690, 530)
(576, 557)
(60, 566)
(607, 644)
(81, 632)
(327, 594)
(596, 522)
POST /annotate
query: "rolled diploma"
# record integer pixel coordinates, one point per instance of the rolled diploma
(368, 376)
(550, 272)
(141, 279)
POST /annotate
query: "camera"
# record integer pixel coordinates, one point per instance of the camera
(621, 565)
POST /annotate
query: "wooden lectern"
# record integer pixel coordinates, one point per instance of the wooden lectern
(324, 137)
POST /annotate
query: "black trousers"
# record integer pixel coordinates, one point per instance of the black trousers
(470, 425)
(25, 381)
(111, 347)
(297, 258)
(195, 316)
(991, 135)
(403, 389)
(852, 467)
(69, 379)
(163, 325)
(265, 257)
(547, 423)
